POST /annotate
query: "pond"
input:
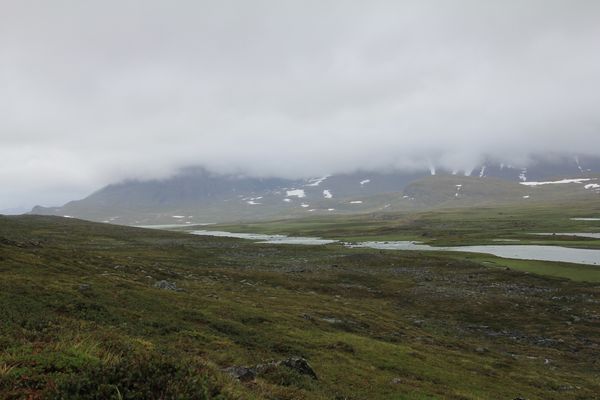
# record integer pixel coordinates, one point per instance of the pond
(263, 238)
(521, 252)
(518, 251)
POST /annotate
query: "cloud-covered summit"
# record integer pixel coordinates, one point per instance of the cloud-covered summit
(95, 92)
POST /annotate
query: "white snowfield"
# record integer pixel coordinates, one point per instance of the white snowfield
(287, 200)
(523, 174)
(578, 180)
(178, 216)
(592, 186)
(327, 194)
(363, 183)
(316, 181)
(356, 202)
(253, 203)
(458, 187)
(295, 192)
(305, 205)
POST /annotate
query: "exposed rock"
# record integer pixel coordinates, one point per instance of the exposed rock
(298, 364)
(243, 374)
(166, 285)
(84, 287)
(22, 244)
(301, 365)
(332, 320)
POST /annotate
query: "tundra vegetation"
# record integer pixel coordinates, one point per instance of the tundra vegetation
(98, 311)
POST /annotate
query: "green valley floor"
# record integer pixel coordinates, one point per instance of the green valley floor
(97, 311)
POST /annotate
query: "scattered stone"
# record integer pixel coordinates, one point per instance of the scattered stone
(84, 287)
(242, 374)
(245, 374)
(166, 285)
(307, 317)
(300, 365)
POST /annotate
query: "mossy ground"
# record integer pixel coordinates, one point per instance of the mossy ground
(373, 324)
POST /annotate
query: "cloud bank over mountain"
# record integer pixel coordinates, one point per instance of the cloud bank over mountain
(96, 92)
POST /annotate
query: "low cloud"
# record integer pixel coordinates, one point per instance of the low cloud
(97, 92)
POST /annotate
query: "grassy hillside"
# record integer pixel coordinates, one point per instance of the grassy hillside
(82, 318)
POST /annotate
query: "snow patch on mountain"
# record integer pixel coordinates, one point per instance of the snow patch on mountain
(482, 172)
(523, 174)
(458, 188)
(577, 180)
(316, 181)
(356, 202)
(295, 192)
(364, 182)
(578, 165)
(327, 194)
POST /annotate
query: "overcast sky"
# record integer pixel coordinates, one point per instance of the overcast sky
(93, 92)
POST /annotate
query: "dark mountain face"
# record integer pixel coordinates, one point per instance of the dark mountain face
(196, 195)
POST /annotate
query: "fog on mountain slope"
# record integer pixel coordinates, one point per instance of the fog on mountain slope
(198, 196)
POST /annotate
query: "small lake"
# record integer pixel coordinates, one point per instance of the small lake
(516, 251)
(170, 226)
(263, 238)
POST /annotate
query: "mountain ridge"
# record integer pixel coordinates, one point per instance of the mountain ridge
(198, 196)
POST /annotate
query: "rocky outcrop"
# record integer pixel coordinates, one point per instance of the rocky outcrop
(245, 374)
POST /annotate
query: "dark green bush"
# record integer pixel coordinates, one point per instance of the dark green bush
(139, 378)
